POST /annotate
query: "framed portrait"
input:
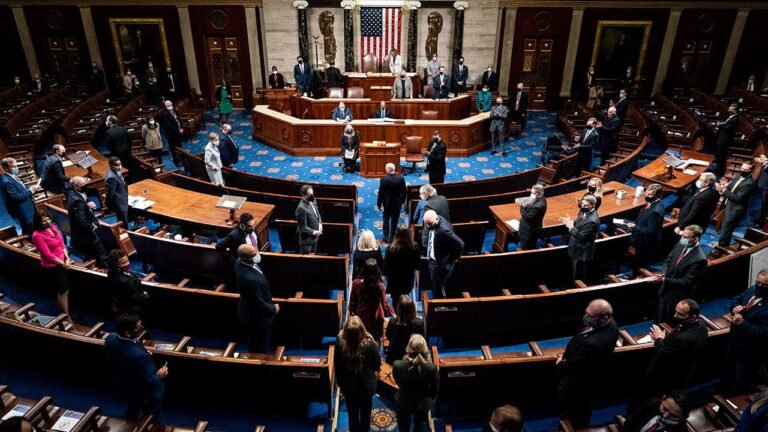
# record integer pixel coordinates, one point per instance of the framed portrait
(137, 41)
(618, 45)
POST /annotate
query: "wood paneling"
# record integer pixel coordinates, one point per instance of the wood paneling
(658, 18)
(170, 16)
(541, 24)
(221, 21)
(702, 38)
(15, 64)
(59, 41)
(752, 56)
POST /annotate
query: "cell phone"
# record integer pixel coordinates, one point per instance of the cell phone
(166, 364)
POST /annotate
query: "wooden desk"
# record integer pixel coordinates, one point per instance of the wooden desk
(447, 109)
(277, 99)
(100, 168)
(656, 172)
(565, 205)
(354, 79)
(373, 159)
(321, 137)
(178, 205)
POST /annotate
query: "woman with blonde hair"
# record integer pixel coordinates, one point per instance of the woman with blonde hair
(213, 160)
(366, 248)
(417, 380)
(595, 188)
(357, 363)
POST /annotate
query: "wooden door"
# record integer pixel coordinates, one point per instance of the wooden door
(64, 59)
(536, 71)
(224, 63)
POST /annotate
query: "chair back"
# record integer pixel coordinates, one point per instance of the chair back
(354, 92)
(429, 91)
(429, 115)
(413, 144)
(370, 63)
(336, 92)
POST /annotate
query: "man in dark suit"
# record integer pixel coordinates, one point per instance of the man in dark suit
(532, 211)
(96, 82)
(762, 187)
(646, 230)
(435, 202)
(490, 79)
(436, 159)
(582, 365)
(442, 84)
(53, 178)
(117, 191)
(83, 224)
(382, 112)
(310, 223)
(737, 194)
(505, 418)
(341, 113)
(582, 234)
(459, 77)
(725, 133)
(660, 415)
(609, 135)
(519, 106)
(698, 209)
(748, 337)
(172, 129)
(18, 198)
(136, 378)
(582, 83)
(390, 200)
(118, 141)
(228, 148)
(444, 248)
(333, 76)
(244, 233)
(171, 85)
(588, 140)
(683, 269)
(622, 105)
(676, 353)
(255, 307)
(303, 76)
(276, 79)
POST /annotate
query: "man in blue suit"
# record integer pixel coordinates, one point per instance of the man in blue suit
(303, 76)
(18, 198)
(442, 84)
(341, 114)
(748, 337)
(136, 378)
(646, 230)
(117, 191)
(230, 152)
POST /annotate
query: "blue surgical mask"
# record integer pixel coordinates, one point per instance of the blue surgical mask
(684, 242)
(15, 171)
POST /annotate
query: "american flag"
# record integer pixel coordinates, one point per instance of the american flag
(379, 32)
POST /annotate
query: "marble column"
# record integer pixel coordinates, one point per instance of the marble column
(570, 54)
(90, 35)
(666, 50)
(189, 48)
(349, 49)
(26, 39)
(301, 10)
(506, 50)
(730, 53)
(413, 34)
(458, 29)
(253, 47)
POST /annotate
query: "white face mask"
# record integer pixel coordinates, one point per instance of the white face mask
(698, 184)
(533, 197)
(151, 122)
(274, 72)
(490, 69)
(257, 258)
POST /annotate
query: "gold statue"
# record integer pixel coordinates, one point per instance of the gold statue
(435, 26)
(329, 41)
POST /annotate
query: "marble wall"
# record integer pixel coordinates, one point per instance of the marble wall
(282, 42)
(480, 37)
(338, 32)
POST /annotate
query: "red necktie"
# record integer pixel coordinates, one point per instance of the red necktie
(751, 303)
(274, 78)
(680, 258)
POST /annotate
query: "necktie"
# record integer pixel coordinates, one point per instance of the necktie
(585, 329)
(431, 246)
(254, 241)
(586, 135)
(274, 78)
(301, 68)
(682, 255)
(751, 303)
(382, 113)
(654, 427)
(751, 86)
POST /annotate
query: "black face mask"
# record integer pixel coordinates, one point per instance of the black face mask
(310, 198)
(761, 290)
(591, 189)
(746, 173)
(248, 229)
(650, 199)
(46, 224)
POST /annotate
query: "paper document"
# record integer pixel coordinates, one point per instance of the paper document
(697, 162)
(309, 360)
(228, 204)
(164, 346)
(690, 172)
(67, 163)
(139, 202)
(618, 221)
(645, 339)
(67, 421)
(349, 154)
(514, 224)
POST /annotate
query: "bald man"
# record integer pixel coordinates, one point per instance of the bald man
(390, 200)
(582, 366)
(444, 248)
(255, 308)
(84, 223)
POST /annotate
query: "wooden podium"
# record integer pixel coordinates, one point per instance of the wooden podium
(373, 158)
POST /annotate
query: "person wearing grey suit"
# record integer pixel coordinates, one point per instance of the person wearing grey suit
(310, 223)
(433, 67)
(402, 88)
(498, 117)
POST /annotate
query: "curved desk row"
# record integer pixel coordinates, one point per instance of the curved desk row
(444, 109)
(321, 137)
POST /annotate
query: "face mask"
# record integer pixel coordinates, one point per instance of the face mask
(461, 62)
(301, 61)
(46, 224)
(15, 171)
(485, 90)
(622, 95)
(151, 122)
(584, 208)
(16, 82)
(698, 184)
(257, 258)
(434, 58)
(149, 65)
(591, 72)
(668, 422)
(248, 229)
(684, 242)
(167, 71)
(587, 320)
(533, 197)
(117, 169)
(170, 108)
(746, 173)
(274, 72)
(310, 198)
(650, 198)
(490, 69)
(590, 126)
(591, 189)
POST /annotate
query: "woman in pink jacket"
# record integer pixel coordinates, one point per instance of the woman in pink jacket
(53, 256)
